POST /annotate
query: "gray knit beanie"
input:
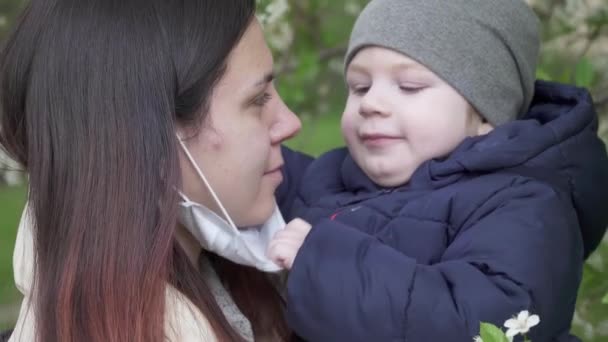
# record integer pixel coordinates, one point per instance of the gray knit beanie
(486, 49)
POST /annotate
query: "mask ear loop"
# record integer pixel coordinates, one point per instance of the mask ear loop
(202, 176)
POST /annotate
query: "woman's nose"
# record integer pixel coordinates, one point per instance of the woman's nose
(286, 125)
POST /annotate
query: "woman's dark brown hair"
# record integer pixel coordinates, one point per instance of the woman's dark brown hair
(91, 92)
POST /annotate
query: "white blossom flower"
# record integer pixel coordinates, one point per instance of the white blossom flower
(521, 324)
(9, 170)
(262, 18)
(324, 89)
(276, 10)
(280, 35)
(353, 8)
(336, 65)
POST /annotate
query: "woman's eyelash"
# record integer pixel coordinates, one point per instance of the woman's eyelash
(262, 99)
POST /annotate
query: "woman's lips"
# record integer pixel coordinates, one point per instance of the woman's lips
(274, 169)
(275, 173)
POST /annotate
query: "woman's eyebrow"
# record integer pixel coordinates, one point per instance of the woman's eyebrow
(269, 77)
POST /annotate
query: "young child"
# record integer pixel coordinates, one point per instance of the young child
(467, 192)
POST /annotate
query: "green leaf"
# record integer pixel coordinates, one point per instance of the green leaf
(598, 18)
(543, 75)
(562, 25)
(565, 77)
(584, 74)
(308, 68)
(491, 333)
(605, 299)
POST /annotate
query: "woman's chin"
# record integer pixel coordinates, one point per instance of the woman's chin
(258, 215)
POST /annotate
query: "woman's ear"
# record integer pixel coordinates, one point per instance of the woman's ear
(181, 133)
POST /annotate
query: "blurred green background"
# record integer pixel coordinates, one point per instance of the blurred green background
(309, 39)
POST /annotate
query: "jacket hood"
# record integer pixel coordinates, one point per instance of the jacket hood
(556, 142)
(557, 139)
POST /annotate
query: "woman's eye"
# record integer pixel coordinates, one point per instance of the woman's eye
(262, 99)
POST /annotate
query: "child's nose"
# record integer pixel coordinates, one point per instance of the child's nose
(373, 103)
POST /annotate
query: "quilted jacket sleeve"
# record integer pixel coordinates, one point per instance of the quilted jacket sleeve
(525, 254)
(293, 172)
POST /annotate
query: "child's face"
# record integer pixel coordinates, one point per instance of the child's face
(399, 114)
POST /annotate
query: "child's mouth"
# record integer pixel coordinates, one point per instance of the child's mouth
(379, 140)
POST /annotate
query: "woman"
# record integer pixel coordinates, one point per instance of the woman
(98, 99)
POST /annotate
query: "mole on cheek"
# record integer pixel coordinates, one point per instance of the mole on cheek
(214, 140)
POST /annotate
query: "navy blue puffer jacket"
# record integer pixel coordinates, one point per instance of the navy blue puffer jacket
(501, 225)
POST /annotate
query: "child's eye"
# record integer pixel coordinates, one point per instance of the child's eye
(262, 99)
(360, 90)
(411, 89)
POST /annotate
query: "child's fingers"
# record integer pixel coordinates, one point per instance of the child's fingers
(286, 243)
(281, 254)
(298, 225)
(288, 235)
(283, 246)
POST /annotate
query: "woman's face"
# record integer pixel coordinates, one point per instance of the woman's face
(238, 146)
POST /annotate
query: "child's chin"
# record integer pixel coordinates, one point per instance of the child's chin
(387, 179)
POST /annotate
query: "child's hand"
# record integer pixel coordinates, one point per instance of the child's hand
(286, 243)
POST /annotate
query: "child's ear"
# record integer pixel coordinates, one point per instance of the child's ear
(484, 127)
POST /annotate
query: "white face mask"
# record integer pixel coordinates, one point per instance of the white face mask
(245, 246)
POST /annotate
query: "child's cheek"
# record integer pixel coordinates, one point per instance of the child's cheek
(348, 124)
